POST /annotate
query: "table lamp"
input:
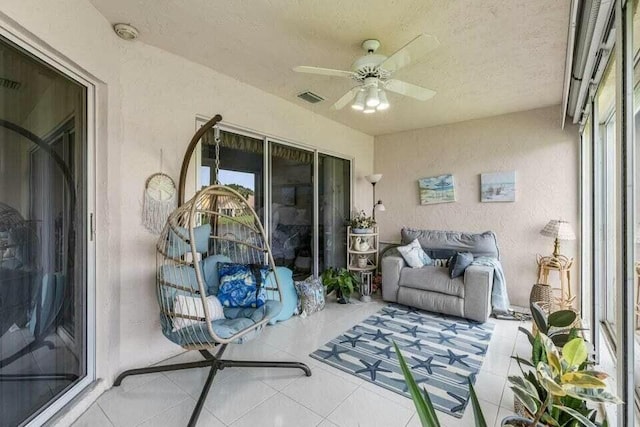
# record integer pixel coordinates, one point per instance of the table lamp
(559, 230)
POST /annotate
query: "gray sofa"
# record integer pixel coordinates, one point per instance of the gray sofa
(430, 288)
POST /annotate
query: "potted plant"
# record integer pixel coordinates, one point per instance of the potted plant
(342, 281)
(557, 391)
(555, 395)
(558, 326)
(362, 223)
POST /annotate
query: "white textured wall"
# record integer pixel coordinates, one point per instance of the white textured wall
(532, 143)
(148, 100)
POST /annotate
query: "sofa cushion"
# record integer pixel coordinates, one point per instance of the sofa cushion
(414, 255)
(438, 243)
(434, 279)
(459, 263)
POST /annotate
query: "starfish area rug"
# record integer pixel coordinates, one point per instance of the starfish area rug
(444, 353)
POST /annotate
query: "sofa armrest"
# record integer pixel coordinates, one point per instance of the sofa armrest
(478, 280)
(391, 267)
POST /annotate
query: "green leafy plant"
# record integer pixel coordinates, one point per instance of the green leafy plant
(558, 326)
(557, 391)
(362, 220)
(422, 401)
(342, 281)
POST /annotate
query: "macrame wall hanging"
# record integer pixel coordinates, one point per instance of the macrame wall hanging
(160, 199)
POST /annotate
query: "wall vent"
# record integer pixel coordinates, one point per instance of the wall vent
(310, 97)
(9, 84)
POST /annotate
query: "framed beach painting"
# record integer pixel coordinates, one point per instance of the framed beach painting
(436, 189)
(498, 187)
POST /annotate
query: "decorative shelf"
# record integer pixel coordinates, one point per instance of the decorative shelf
(370, 255)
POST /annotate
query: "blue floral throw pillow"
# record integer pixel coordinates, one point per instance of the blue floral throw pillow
(242, 285)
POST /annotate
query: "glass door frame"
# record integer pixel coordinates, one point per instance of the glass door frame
(267, 140)
(45, 54)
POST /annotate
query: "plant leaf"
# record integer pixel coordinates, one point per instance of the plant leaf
(539, 317)
(422, 402)
(528, 333)
(526, 400)
(522, 361)
(575, 352)
(525, 386)
(593, 395)
(560, 339)
(581, 380)
(477, 410)
(547, 381)
(562, 318)
(577, 415)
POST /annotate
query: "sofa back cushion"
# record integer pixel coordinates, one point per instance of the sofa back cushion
(444, 244)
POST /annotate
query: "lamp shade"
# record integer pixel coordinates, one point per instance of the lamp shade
(359, 102)
(372, 97)
(384, 102)
(558, 229)
(380, 206)
(373, 178)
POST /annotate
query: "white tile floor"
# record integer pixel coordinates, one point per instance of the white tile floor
(281, 398)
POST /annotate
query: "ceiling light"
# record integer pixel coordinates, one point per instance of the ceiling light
(372, 97)
(126, 31)
(369, 110)
(384, 102)
(359, 102)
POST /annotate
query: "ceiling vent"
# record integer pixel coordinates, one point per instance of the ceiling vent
(9, 84)
(310, 97)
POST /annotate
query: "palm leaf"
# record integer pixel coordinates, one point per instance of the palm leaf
(477, 410)
(422, 402)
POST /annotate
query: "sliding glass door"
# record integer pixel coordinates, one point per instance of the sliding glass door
(305, 217)
(334, 200)
(292, 201)
(43, 279)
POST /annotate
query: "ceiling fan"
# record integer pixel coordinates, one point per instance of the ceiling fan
(373, 73)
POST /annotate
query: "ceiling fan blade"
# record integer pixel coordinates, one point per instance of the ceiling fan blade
(323, 71)
(408, 89)
(411, 52)
(346, 98)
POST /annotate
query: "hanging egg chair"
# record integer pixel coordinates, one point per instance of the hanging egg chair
(216, 280)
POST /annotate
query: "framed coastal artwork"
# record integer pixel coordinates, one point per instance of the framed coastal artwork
(436, 189)
(498, 187)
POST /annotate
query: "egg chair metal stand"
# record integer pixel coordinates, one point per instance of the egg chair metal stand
(216, 226)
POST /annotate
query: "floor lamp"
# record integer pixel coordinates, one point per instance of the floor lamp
(377, 205)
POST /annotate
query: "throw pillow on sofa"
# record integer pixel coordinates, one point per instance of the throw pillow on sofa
(414, 255)
(459, 263)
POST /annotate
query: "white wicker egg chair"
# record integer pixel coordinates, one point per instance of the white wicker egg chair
(216, 226)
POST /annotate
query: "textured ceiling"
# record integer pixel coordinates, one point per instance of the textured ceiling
(495, 57)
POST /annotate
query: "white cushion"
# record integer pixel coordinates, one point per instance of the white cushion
(192, 306)
(414, 255)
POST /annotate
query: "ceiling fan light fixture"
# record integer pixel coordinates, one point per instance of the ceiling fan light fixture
(372, 97)
(384, 102)
(359, 102)
(369, 110)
